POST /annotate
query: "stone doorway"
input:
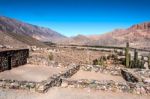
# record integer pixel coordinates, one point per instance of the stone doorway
(9, 63)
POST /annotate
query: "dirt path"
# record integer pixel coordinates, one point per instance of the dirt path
(66, 93)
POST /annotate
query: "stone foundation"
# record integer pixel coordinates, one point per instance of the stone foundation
(56, 80)
(42, 86)
(108, 85)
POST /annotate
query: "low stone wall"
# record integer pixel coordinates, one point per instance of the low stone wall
(42, 86)
(136, 75)
(129, 76)
(108, 85)
(97, 68)
(14, 84)
(56, 80)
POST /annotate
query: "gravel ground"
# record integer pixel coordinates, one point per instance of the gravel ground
(67, 93)
(68, 55)
(30, 73)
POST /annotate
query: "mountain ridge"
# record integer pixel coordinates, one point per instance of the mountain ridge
(138, 35)
(25, 34)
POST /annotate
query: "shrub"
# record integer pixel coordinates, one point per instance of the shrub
(50, 56)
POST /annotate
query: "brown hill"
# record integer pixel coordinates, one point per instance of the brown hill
(25, 34)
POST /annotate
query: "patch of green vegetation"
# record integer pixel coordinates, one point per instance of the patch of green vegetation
(50, 56)
(101, 61)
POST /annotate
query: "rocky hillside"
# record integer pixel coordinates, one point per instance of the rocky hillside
(25, 34)
(138, 36)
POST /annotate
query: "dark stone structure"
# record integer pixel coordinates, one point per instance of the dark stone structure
(13, 58)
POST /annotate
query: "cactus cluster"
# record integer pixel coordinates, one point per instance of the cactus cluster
(136, 62)
(101, 61)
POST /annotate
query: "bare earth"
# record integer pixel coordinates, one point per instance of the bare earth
(68, 55)
(67, 93)
(30, 73)
(95, 76)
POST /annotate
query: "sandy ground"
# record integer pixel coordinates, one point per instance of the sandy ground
(30, 73)
(67, 93)
(69, 55)
(95, 76)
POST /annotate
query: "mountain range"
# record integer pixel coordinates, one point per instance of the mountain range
(20, 34)
(137, 35)
(17, 33)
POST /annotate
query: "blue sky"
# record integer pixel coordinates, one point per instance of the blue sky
(73, 17)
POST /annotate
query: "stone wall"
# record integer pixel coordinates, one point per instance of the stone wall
(136, 75)
(56, 80)
(42, 86)
(13, 58)
(98, 68)
(14, 84)
(108, 85)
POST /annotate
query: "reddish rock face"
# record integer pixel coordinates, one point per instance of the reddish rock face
(138, 35)
(143, 26)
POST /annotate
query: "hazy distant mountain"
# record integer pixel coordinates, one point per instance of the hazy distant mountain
(27, 33)
(138, 36)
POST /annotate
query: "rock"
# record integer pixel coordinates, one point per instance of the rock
(14, 85)
(146, 80)
(64, 84)
(128, 76)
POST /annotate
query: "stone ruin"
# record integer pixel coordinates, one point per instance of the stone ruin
(13, 58)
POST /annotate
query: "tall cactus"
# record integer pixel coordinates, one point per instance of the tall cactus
(142, 62)
(149, 61)
(127, 57)
(135, 59)
(130, 60)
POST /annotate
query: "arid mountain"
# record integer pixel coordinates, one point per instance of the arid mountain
(14, 32)
(138, 36)
(25, 33)
(39, 33)
(75, 40)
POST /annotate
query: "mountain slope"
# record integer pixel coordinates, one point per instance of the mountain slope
(19, 34)
(18, 27)
(138, 36)
(7, 40)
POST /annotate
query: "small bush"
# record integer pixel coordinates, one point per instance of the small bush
(100, 61)
(50, 56)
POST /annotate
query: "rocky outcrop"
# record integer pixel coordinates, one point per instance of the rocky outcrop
(143, 26)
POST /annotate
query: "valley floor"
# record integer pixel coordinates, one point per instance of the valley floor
(67, 93)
